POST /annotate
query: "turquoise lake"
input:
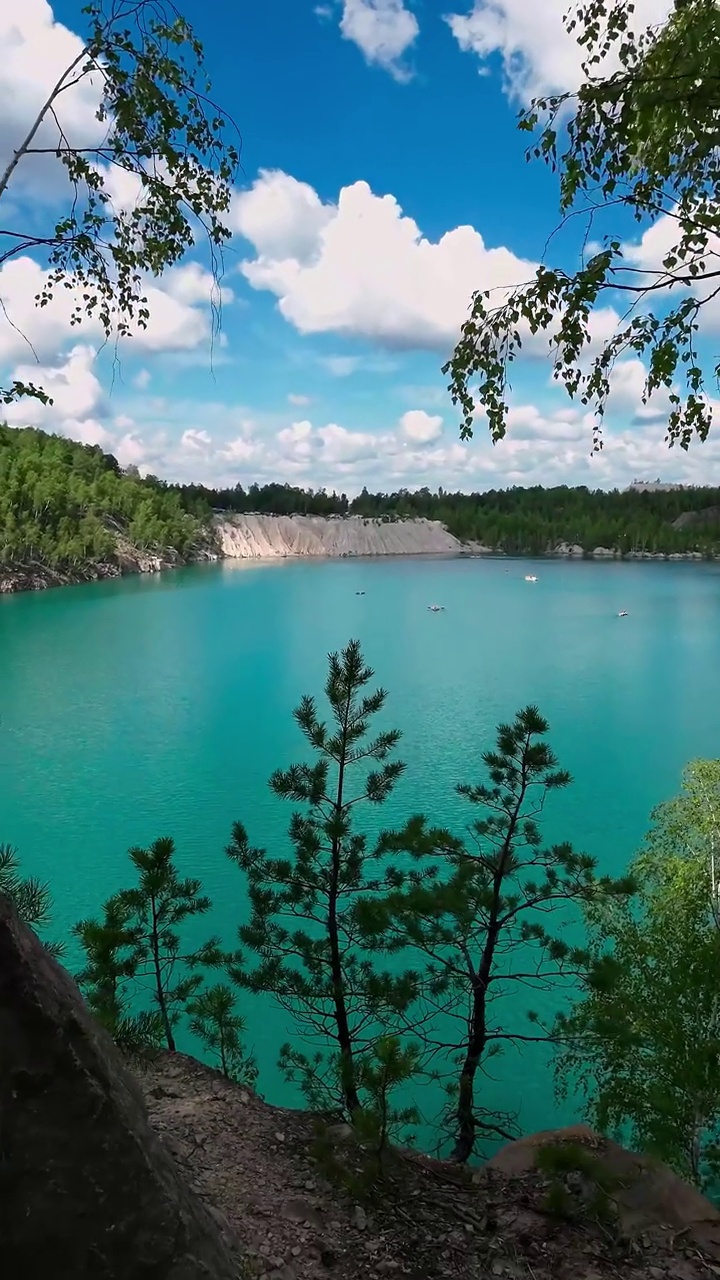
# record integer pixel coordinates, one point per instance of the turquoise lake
(154, 706)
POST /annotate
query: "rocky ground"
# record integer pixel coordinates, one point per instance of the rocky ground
(128, 560)
(267, 1182)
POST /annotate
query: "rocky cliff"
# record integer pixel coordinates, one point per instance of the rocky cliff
(271, 537)
(87, 1190)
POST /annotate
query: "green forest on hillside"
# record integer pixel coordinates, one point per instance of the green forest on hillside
(63, 504)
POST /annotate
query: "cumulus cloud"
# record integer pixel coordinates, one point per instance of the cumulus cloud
(78, 401)
(298, 400)
(362, 267)
(537, 54)
(383, 30)
(420, 427)
(30, 333)
(282, 217)
(73, 385)
(656, 242)
(220, 444)
(190, 283)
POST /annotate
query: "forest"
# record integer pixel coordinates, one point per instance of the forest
(64, 504)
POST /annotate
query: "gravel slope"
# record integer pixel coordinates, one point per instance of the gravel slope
(269, 537)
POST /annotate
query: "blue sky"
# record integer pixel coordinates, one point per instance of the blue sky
(383, 179)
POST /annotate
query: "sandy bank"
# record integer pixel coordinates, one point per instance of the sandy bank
(269, 537)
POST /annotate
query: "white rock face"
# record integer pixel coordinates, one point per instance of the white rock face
(260, 536)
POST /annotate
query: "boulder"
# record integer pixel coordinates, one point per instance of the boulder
(647, 1193)
(86, 1188)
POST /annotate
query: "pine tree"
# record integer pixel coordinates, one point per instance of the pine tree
(214, 1020)
(476, 911)
(109, 977)
(136, 948)
(310, 954)
(157, 906)
(30, 896)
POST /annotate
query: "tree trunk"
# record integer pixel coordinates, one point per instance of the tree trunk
(465, 1114)
(167, 1028)
(347, 1063)
(477, 1039)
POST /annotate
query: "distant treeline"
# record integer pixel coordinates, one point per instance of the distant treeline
(518, 521)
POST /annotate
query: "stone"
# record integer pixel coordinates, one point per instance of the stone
(648, 1194)
(359, 1217)
(298, 1209)
(87, 1190)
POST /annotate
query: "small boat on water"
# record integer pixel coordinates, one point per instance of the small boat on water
(530, 577)
(623, 613)
(359, 593)
(436, 608)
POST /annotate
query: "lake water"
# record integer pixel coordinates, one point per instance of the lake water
(155, 706)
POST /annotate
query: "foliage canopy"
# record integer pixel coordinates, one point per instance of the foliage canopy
(639, 137)
(158, 132)
(643, 1040)
(63, 505)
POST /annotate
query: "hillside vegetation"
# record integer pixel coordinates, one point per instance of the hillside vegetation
(66, 506)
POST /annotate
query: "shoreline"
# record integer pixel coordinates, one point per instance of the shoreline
(23, 581)
(264, 539)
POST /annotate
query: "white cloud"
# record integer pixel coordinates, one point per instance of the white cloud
(73, 386)
(538, 55)
(220, 444)
(656, 242)
(28, 331)
(383, 30)
(36, 51)
(282, 218)
(142, 379)
(191, 283)
(198, 441)
(420, 427)
(362, 267)
(79, 404)
(298, 400)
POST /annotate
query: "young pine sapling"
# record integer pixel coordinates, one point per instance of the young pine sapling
(137, 945)
(476, 910)
(311, 955)
(215, 1022)
(108, 979)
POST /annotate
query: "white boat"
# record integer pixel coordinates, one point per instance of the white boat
(623, 613)
(530, 577)
(436, 608)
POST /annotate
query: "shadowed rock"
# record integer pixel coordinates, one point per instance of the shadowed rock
(86, 1189)
(646, 1192)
